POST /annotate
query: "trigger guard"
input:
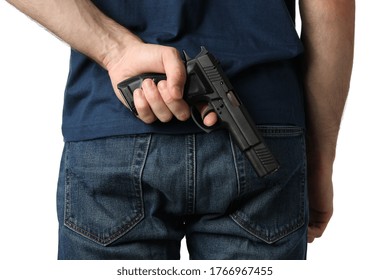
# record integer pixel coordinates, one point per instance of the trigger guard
(197, 118)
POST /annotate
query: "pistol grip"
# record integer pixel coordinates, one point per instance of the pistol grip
(128, 86)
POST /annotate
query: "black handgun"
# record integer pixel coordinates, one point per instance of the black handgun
(207, 83)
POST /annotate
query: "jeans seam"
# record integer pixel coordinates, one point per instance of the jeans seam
(191, 173)
(138, 180)
(67, 180)
(235, 164)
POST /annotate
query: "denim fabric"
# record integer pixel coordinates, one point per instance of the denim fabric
(136, 197)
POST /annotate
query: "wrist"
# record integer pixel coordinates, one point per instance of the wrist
(321, 153)
(114, 45)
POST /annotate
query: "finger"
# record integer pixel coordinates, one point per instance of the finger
(209, 117)
(156, 102)
(145, 113)
(315, 230)
(318, 223)
(310, 236)
(178, 107)
(175, 71)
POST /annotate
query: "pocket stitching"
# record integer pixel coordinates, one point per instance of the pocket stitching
(261, 234)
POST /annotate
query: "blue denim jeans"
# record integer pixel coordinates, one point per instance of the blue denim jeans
(137, 196)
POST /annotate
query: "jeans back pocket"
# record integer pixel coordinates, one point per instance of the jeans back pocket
(272, 207)
(103, 195)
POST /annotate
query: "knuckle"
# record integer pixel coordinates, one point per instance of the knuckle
(171, 51)
(168, 99)
(165, 94)
(142, 108)
(151, 93)
(147, 84)
(180, 75)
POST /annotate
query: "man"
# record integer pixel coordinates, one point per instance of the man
(132, 188)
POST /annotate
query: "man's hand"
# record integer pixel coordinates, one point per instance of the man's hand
(320, 197)
(162, 101)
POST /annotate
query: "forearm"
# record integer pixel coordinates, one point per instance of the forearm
(80, 24)
(328, 37)
(85, 28)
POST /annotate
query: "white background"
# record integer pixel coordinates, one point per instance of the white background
(33, 72)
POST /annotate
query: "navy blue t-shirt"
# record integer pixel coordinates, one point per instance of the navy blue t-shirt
(255, 41)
